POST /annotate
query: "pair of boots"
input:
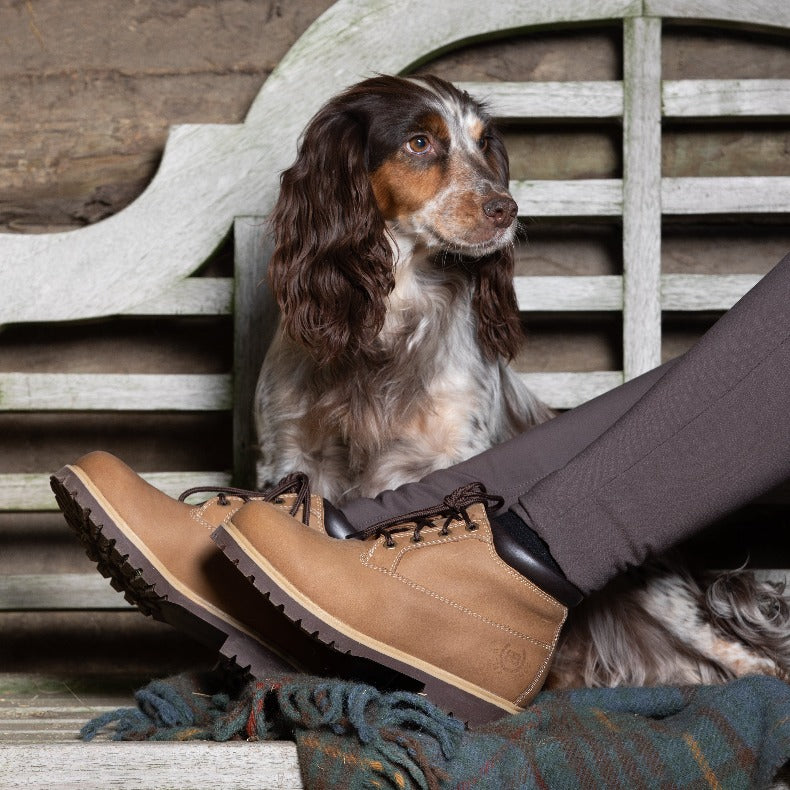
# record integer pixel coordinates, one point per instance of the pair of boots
(435, 600)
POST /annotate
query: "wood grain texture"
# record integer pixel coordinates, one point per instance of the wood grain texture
(32, 711)
(590, 197)
(147, 248)
(760, 13)
(725, 98)
(567, 390)
(606, 198)
(192, 296)
(549, 99)
(218, 162)
(680, 98)
(713, 52)
(704, 291)
(680, 292)
(114, 392)
(734, 195)
(641, 196)
(569, 293)
(58, 592)
(85, 115)
(31, 492)
(87, 99)
(754, 148)
(177, 766)
(401, 35)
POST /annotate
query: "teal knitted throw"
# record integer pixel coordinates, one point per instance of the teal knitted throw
(350, 735)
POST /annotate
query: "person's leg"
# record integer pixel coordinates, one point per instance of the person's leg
(707, 438)
(648, 464)
(514, 466)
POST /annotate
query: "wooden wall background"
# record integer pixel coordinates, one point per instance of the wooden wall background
(87, 94)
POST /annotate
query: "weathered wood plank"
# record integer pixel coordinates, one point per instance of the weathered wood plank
(684, 292)
(66, 694)
(115, 392)
(725, 98)
(735, 195)
(641, 196)
(604, 197)
(604, 292)
(603, 99)
(178, 766)
(31, 492)
(44, 734)
(58, 720)
(86, 99)
(58, 592)
(704, 291)
(567, 390)
(178, 38)
(766, 13)
(192, 296)
(591, 197)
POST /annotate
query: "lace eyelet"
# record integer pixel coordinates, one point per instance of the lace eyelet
(222, 500)
(454, 507)
(389, 542)
(278, 500)
(416, 539)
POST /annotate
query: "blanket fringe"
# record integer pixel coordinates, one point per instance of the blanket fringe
(402, 732)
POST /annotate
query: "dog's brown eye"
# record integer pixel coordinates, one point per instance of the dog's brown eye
(419, 144)
(482, 144)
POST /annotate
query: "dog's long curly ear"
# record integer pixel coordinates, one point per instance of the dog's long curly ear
(498, 322)
(331, 269)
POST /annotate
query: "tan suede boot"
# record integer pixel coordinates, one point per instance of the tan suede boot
(427, 594)
(158, 552)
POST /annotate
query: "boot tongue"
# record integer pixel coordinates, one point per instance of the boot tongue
(336, 525)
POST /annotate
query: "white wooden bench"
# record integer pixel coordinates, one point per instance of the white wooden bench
(216, 179)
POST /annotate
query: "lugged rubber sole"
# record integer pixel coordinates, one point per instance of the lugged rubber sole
(146, 585)
(455, 695)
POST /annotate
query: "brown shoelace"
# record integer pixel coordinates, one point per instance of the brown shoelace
(453, 507)
(296, 483)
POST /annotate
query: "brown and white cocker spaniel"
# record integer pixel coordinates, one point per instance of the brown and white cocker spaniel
(393, 269)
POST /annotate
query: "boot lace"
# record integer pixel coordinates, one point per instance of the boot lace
(296, 483)
(453, 508)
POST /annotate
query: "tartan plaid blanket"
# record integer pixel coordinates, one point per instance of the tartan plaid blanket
(350, 735)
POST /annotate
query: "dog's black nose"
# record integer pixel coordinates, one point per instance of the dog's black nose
(501, 210)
